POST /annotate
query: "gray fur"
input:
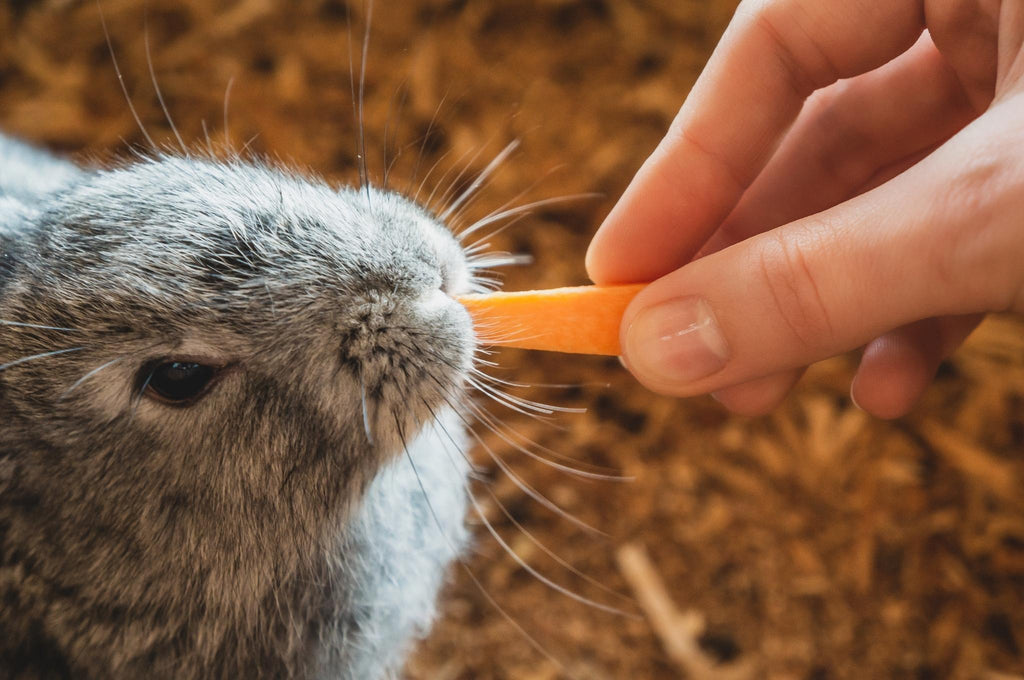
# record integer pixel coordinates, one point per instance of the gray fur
(262, 531)
(27, 176)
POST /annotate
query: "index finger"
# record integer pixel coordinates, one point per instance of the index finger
(771, 58)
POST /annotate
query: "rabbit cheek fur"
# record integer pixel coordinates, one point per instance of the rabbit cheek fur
(265, 530)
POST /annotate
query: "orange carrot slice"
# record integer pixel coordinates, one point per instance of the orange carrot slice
(579, 320)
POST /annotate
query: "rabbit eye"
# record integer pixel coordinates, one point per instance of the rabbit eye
(178, 382)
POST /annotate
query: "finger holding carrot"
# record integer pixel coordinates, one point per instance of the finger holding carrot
(842, 175)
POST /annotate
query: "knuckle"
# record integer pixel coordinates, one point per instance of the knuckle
(978, 246)
(844, 152)
(795, 291)
(965, 196)
(804, 61)
(681, 137)
(971, 187)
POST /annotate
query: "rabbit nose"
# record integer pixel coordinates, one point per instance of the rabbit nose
(433, 300)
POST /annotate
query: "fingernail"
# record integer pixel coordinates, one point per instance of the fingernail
(677, 341)
(853, 397)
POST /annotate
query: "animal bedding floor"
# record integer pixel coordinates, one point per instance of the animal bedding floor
(812, 544)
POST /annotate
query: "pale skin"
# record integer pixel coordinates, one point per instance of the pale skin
(844, 174)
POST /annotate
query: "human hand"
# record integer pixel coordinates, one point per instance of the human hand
(843, 174)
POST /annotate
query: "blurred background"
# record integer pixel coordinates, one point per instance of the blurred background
(812, 544)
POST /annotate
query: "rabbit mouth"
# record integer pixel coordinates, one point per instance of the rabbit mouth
(409, 360)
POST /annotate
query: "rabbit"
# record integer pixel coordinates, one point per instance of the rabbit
(231, 442)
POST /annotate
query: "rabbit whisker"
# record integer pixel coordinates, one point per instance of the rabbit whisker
(442, 201)
(152, 77)
(20, 324)
(506, 435)
(227, 101)
(444, 176)
(120, 78)
(209, 143)
(423, 145)
(430, 171)
(510, 202)
(138, 398)
(87, 376)
(366, 413)
(404, 91)
(528, 404)
(480, 180)
(465, 565)
(23, 360)
(522, 530)
(499, 259)
(362, 97)
(482, 244)
(502, 214)
(523, 485)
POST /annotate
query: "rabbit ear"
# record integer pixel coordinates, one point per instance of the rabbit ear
(15, 218)
(30, 174)
(29, 177)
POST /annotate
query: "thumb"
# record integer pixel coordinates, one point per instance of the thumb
(941, 239)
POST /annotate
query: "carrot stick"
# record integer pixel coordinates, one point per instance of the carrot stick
(579, 320)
